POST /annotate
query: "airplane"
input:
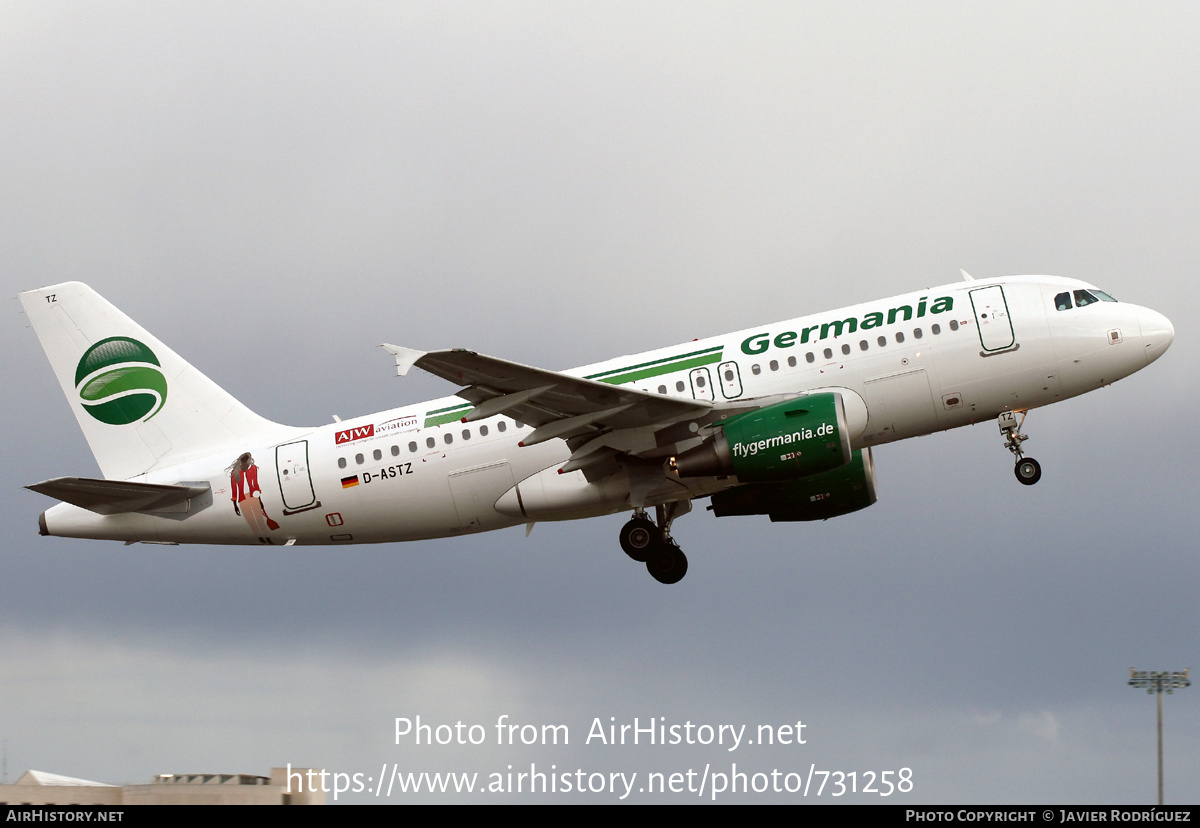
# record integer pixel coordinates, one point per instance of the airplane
(776, 420)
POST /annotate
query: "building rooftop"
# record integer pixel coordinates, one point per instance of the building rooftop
(35, 777)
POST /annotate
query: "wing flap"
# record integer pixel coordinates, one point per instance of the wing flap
(573, 426)
(504, 403)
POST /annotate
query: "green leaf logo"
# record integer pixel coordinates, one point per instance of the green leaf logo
(120, 381)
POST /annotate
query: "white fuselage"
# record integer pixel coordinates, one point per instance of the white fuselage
(906, 366)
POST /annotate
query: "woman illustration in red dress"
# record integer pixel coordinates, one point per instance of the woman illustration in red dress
(247, 497)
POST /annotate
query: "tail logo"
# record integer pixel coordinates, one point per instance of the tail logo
(119, 381)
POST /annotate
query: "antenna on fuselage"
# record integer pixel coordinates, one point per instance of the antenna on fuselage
(967, 277)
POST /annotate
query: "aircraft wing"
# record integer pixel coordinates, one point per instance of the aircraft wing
(557, 405)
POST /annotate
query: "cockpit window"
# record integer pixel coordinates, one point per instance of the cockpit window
(1062, 301)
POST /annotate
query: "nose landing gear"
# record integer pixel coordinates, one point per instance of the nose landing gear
(653, 545)
(1027, 470)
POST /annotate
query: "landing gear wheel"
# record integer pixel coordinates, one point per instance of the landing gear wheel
(1028, 471)
(638, 538)
(667, 564)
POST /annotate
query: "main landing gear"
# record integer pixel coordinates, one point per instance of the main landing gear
(653, 545)
(1027, 470)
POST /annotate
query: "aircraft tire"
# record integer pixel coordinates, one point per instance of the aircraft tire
(667, 564)
(1028, 471)
(638, 537)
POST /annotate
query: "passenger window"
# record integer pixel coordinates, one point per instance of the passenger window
(755, 369)
(395, 451)
(863, 345)
(809, 356)
(358, 458)
(899, 336)
(954, 324)
(936, 328)
(1082, 297)
(1062, 301)
(412, 446)
(448, 437)
(882, 341)
(917, 333)
(662, 389)
(483, 431)
(501, 426)
(774, 365)
(430, 442)
(791, 362)
(466, 434)
(679, 386)
(829, 353)
(699, 380)
(377, 454)
(846, 349)
(341, 462)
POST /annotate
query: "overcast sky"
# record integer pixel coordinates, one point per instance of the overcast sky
(274, 189)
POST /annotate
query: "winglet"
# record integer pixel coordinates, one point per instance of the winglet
(405, 357)
(967, 277)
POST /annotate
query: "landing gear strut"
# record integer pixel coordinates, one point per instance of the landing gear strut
(1027, 470)
(653, 545)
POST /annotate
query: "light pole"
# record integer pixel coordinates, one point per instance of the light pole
(1159, 683)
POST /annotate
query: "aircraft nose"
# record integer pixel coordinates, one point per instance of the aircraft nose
(1157, 333)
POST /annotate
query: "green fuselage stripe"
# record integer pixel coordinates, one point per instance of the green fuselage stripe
(667, 365)
(442, 416)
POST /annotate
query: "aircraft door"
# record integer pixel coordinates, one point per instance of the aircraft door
(701, 384)
(992, 319)
(731, 380)
(295, 482)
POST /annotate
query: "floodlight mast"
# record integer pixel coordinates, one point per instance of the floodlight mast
(1159, 683)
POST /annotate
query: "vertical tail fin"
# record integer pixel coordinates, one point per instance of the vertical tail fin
(140, 405)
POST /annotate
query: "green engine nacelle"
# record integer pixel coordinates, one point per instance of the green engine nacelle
(820, 497)
(797, 438)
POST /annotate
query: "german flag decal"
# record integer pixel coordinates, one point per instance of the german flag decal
(348, 482)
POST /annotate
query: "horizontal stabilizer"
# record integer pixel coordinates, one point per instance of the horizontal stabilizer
(114, 497)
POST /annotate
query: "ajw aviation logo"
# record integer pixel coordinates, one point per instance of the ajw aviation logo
(120, 381)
